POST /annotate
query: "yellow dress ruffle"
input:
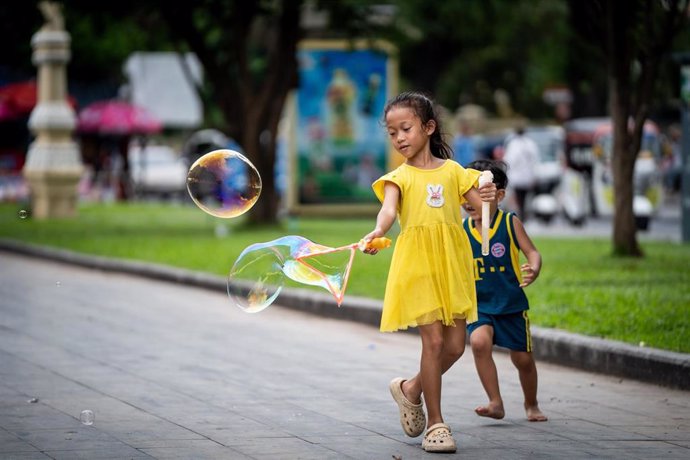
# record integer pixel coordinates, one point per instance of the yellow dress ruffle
(431, 275)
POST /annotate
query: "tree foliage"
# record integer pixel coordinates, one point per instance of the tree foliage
(102, 37)
(464, 51)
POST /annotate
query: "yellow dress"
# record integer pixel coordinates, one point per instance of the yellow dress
(431, 276)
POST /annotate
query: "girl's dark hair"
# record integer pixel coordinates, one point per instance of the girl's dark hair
(424, 108)
(497, 168)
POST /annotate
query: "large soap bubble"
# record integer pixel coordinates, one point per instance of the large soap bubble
(224, 183)
(257, 276)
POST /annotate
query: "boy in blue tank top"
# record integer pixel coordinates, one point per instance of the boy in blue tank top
(501, 302)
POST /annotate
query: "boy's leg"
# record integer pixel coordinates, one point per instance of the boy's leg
(524, 362)
(481, 340)
(453, 348)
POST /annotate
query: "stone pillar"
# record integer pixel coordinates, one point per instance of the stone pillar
(53, 165)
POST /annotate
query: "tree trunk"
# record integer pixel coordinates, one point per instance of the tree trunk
(257, 145)
(262, 110)
(623, 162)
(624, 151)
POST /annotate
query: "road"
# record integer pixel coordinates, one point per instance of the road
(172, 371)
(665, 225)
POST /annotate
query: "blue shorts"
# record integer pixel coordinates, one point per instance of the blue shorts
(510, 331)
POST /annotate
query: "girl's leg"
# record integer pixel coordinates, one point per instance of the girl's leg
(482, 340)
(453, 348)
(524, 362)
(431, 369)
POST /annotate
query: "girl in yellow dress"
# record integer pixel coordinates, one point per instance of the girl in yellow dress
(431, 282)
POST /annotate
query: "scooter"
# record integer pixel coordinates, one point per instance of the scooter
(573, 197)
(545, 204)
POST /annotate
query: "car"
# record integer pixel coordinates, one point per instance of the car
(157, 170)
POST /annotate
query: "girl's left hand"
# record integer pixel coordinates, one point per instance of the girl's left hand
(487, 192)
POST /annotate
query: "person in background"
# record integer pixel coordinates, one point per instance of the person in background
(463, 145)
(521, 156)
(672, 163)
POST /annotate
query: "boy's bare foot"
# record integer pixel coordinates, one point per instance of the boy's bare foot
(491, 410)
(535, 415)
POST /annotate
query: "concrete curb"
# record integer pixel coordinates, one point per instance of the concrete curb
(591, 354)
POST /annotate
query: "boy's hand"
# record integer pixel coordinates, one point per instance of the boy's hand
(528, 275)
(487, 192)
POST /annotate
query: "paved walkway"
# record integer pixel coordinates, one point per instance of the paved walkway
(172, 371)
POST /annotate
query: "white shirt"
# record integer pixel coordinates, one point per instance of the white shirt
(522, 157)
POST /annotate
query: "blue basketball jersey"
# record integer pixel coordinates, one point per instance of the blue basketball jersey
(497, 275)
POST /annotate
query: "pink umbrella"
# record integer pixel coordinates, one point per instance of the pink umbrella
(117, 118)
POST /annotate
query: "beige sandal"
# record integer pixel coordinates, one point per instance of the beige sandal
(412, 418)
(439, 439)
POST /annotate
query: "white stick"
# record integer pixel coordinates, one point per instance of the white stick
(486, 177)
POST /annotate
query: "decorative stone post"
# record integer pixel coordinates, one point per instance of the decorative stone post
(53, 164)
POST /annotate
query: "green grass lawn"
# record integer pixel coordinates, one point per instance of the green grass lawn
(582, 288)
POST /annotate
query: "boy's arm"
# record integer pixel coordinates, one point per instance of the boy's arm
(530, 270)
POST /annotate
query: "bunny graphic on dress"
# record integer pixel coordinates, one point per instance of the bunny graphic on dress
(435, 198)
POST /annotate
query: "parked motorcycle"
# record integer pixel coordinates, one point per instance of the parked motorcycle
(647, 175)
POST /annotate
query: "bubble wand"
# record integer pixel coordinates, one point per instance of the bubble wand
(322, 278)
(486, 177)
(296, 258)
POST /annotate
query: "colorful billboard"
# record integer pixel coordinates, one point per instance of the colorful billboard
(340, 145)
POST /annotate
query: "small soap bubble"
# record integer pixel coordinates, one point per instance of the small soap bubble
(23, 214)
(642, 344)
(87, 417)
(221, 231)
(224, 183)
